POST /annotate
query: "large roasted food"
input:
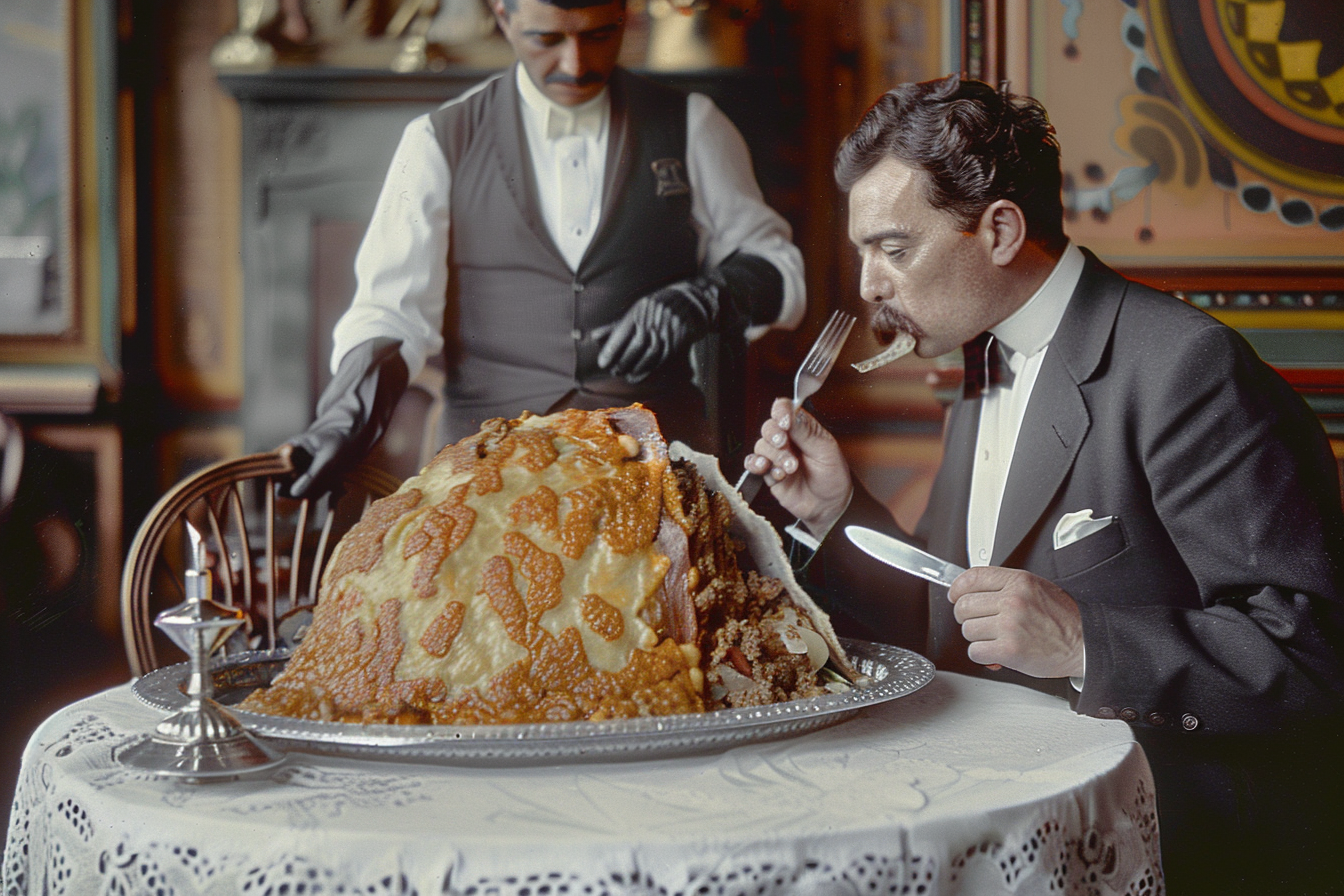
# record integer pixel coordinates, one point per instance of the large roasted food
(554, 569)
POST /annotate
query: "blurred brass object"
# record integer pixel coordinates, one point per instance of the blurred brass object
(408, 13)
(243, 50)
(699, 34)
(396, 35)
(461, 22)
(410, 24)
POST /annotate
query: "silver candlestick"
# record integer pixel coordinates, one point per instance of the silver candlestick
(203, 741)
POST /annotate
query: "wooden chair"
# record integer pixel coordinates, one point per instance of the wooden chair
(266, 552)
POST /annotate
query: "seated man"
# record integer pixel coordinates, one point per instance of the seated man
(1150, 514)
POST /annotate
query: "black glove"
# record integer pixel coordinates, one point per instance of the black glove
(352, 416)
(744, 290)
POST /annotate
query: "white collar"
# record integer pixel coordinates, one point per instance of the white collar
(586, 120)
(1030, 328)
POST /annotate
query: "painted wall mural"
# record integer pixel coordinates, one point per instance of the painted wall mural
(1198, 132)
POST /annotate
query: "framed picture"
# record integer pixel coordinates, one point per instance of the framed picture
(1195, 133)
(58, 208)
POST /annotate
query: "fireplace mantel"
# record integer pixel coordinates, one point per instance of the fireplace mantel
(322, 84)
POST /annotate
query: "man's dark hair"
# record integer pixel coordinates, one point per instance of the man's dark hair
(512, 5)
(977, 144)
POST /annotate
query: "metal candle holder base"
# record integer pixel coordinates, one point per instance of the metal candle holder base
(203, 741)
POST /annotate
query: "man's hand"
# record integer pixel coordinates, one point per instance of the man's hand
(657, 328)
(744, 290)
(352, 415)
(803, 465)
(1016, 619)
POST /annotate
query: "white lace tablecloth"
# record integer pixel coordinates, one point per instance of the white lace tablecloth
(967, 786)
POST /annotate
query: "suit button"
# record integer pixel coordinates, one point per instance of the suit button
(1129, 714)
(1189, 722)
(1105, 712)
(1157, 719)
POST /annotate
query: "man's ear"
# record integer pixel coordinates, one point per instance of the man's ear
(1004, 228)
(501, 14)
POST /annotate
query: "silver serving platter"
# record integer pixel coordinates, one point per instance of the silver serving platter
(888, 673)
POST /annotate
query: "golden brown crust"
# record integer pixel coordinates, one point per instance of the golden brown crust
(362, 547)
(546, 569)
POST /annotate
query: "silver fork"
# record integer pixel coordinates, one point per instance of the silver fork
(812, 372)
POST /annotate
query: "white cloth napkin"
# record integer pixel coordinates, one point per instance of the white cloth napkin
(1078, 525)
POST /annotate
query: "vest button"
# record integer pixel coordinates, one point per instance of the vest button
(1189, 722)
(577, 286)
(1156, 719)
(1105, 712)
(1129, 714)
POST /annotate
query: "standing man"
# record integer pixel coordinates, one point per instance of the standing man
(563, 232)
(1151, 514)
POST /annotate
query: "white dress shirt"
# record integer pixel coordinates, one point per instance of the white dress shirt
(401, 288)
(1023, 339)
(568, 148)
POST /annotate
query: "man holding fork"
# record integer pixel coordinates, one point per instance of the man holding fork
(1150, 514)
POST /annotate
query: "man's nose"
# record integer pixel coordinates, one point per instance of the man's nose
(572, 61)
(873, 287)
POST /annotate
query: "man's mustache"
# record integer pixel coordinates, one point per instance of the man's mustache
(888, 321)
(587, 79)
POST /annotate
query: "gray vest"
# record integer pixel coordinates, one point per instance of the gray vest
(517, 322)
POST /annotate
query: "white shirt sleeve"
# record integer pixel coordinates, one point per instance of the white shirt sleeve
(401, 268)
(729, 211)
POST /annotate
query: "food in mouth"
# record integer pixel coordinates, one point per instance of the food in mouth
(557, 568)
(900, 346)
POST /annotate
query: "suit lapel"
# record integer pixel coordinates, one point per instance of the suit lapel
(1052, 430)
(1057, 420)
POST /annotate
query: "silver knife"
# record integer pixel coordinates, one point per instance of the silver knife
(905, 557)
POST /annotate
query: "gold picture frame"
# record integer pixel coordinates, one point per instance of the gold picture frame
(60, 342)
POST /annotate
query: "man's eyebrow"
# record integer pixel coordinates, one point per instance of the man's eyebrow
(892, 233)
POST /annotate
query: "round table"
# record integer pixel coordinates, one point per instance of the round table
(966, 786)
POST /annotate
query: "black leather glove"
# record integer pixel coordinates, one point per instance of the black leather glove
(352, 415)
(744, 290)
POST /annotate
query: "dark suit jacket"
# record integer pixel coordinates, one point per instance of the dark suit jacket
(1213, 605)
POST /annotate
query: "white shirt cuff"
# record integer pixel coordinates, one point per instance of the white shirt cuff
(798, 529)
(1077, 680)
(800, 534)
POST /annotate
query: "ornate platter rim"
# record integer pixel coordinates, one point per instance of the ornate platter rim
(889, 673)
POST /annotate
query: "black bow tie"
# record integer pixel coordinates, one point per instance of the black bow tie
(984, 365)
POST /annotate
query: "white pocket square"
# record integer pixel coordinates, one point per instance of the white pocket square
(1078, 525)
